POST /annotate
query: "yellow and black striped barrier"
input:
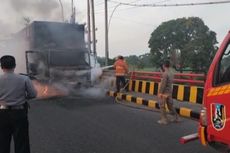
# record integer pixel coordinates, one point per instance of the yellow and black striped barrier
(193, 94)
(185, 112)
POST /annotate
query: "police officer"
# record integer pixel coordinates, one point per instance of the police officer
(14, 91)
(121, 69)
(165, 94)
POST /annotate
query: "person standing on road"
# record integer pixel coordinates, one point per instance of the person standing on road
(15, 89)
(121, 69)
(165, 95)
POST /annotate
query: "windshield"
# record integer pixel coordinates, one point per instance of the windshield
(223, 75)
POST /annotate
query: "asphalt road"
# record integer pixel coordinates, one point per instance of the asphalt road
(98, 125)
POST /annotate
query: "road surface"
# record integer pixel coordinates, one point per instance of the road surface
(98, 125)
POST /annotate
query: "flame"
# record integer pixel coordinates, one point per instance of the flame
(47, 90)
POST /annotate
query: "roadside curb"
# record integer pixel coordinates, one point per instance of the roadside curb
(183, 111)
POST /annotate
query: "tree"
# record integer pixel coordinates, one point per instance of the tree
(134, 62)
(146, 60)
(101, 61)
(132, 59)
(187, 42)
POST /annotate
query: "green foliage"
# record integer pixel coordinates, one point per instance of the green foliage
(134, 62)
(132, 59)
(101, 61)
(139, 62)
(187, 42)
(146, 60)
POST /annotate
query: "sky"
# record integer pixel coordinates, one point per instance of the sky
(130, 27)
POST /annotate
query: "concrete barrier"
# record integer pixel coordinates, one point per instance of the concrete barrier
(193, 94)
(185, 112)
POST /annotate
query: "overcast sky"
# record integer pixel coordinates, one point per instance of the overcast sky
(130, 27)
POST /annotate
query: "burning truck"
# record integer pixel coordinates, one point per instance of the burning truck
(55, 55)
(55, 52)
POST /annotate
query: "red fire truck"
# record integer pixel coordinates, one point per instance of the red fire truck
(214, 126)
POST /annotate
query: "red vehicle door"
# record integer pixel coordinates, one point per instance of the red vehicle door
(217, 95)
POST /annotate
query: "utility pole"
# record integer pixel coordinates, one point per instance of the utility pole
(93, 28)
(73, 13)
(62, 11)
(89, 25)
(72, 6)
(106, 34)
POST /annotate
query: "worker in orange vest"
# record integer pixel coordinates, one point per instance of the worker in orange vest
(121, 69)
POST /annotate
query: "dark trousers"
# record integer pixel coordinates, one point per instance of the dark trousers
(120, 82)
(14, 124)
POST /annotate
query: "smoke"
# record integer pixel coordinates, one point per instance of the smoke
(41, 8)
(14, 50)
(18, 10)
(66, 88)
(101, 84)
(95, 74)
(6, 30)
(93, 92)
(16, 14)
(98, 89)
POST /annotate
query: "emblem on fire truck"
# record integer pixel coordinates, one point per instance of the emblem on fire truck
(218, 113)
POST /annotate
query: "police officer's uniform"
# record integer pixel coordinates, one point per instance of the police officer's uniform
(14, 91)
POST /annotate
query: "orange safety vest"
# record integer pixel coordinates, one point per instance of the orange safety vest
(121, 68)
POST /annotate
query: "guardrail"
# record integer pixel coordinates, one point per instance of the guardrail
(187, 87)
(186, 93)
(180, 78)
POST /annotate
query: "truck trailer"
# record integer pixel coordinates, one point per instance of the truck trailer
(55, 52)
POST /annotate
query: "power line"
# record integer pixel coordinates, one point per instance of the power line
(115, 10)
(172, 5)
(112, 14)
(102, 10)
(114, 6)
(162, 1)
(134, 21)
(128, 7)
(99, 11)
(133, 7)
(135, 1)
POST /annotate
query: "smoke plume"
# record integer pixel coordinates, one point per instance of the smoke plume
(42, 8)
(16, 14)
(18, 10)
